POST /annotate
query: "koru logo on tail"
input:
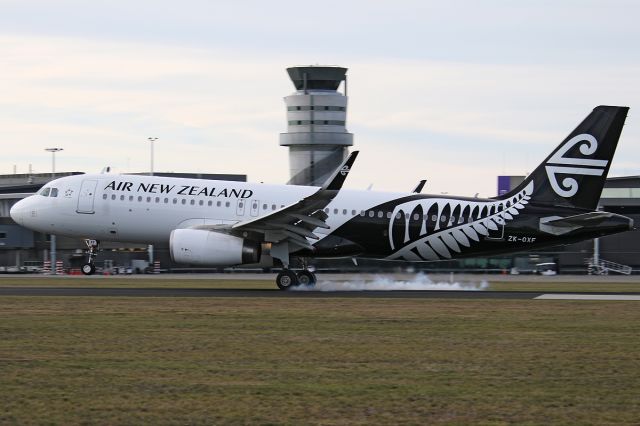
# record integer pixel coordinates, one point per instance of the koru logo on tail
(558, 164)
(344, 170)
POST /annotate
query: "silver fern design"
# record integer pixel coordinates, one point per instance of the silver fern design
(447, 226)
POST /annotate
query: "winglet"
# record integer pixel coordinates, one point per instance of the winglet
(418, 188)
(334, 183)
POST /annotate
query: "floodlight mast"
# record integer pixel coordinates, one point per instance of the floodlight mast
(152, 140)
(52, 248)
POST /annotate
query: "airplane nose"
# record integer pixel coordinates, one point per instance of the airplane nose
(17, 212)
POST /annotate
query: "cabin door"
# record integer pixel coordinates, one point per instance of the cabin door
(86, 196)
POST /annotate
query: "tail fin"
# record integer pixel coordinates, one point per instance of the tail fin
(575, 172)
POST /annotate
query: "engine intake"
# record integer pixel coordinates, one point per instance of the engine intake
(210, 248)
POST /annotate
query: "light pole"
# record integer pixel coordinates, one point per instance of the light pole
(152, 140)
(52, 255)
(150, 246)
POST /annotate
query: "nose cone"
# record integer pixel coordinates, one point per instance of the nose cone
(17, 212)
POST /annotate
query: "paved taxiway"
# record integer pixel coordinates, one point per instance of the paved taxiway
(241, 293)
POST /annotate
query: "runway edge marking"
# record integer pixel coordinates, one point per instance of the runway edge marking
(560, 296)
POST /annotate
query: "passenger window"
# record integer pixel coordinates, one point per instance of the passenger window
(157, 199)
(388, 215)
(273, 207)
(362, 213)
(113, 196)
(434, 218)
(148, 199)
(201, 202)
(139, 197)
(335, 211)
(184, 201)
(210, 203)
(380, 214)
(398, 215)
(122, 198)
(130, 197)
(227, 204)
(264, 207)
(104, 196)
(416, 216)
(54, 192)
(166, 200)
(175, 201)
(371, 213)
(219, 203)
(344, 212)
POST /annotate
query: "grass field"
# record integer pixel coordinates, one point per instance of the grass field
(496, 282)
(317, 361)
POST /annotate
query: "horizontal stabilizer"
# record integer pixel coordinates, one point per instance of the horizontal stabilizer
(557, 225)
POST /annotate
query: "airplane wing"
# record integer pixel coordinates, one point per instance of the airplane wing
(295, 223)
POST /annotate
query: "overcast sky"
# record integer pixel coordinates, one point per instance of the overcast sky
(456, 92)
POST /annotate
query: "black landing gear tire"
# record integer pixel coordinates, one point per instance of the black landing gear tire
(286, 279)
(307, 278)
(88, 269)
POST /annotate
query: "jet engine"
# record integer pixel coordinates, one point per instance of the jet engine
(201, 247)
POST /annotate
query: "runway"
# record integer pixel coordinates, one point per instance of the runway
(244, 293)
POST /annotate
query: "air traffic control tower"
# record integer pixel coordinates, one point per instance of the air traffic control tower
(316, 135)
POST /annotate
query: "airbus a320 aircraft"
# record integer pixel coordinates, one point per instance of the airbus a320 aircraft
(221, 223)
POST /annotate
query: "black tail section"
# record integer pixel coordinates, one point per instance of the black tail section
(575, 172)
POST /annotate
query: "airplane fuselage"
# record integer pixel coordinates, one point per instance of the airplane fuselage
(383, 225)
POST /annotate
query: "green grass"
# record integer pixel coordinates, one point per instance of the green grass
(317, 361)
(107, 282)
(587, 284)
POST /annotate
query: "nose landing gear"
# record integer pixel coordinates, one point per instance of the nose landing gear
(93, 246)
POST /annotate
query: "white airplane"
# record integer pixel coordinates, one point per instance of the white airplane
(222, 223)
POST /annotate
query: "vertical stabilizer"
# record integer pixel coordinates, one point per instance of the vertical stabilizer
(575, 172)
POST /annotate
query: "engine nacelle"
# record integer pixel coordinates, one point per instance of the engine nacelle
(210, 248)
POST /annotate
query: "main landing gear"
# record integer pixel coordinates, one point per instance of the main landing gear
(93, 246)
(288, 278)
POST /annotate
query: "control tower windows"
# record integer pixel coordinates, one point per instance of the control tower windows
(321, 122)
(315, 108)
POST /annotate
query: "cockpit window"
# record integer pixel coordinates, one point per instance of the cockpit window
(54, 192)
(45, 192)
